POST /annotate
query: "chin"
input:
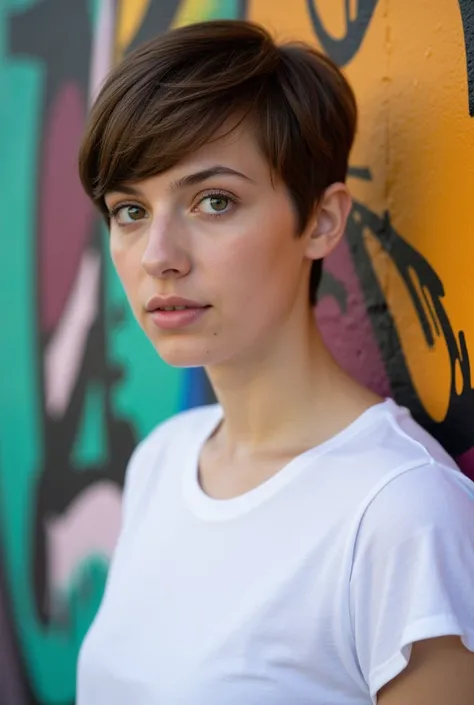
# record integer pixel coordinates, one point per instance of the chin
(181, 353)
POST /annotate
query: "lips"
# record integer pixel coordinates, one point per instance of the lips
(174, 312)
(172, 303)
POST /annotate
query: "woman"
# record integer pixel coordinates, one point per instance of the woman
(303, 541)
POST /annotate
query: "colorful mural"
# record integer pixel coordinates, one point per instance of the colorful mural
(394, 305)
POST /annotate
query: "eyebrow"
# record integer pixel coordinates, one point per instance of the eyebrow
(189, 180)
(199, 176)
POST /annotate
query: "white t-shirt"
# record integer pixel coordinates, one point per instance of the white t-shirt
(308, 590)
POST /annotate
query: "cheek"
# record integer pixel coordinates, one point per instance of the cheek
(266, 258)
(127, 263)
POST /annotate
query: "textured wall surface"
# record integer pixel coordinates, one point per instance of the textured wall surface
(80, 385)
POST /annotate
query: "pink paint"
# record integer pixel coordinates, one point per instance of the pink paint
(102, 48)
(350, 336)
(90, 526)
(64, 352)
(66, 215)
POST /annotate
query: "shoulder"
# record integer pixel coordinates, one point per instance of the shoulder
(385, 443)
(431, 496)
(406, 483)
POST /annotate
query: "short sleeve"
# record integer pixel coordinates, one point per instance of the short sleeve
(413, 569)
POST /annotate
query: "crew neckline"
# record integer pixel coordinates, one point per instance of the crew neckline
(209, 508)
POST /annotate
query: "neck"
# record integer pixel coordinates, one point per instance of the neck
(291, 395)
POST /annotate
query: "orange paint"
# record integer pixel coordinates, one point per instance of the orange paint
(417, 139)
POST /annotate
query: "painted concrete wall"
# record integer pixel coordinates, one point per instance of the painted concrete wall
(396, 303)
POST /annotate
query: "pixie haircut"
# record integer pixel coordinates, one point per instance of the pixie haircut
(171, 95)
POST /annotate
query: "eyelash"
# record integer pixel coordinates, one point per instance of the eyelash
(114, 211)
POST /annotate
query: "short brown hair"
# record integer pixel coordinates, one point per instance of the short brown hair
(169, 97)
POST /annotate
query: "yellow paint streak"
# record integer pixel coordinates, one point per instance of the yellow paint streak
(191, 11)
(353, 7)
(130, 15)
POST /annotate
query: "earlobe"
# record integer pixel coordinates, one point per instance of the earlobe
(329, 222)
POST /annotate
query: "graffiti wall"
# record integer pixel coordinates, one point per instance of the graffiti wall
(394, 305)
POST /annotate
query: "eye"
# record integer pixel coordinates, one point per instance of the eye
(216, 204)
(127, 213)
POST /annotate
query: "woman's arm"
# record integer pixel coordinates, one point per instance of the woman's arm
(440, 672)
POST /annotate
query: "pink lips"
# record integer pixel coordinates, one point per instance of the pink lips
(184, 313)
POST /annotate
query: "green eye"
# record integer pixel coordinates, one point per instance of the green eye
(218, 203)
(134, 212)
(127, 214)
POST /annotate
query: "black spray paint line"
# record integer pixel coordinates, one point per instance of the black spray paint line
(344, 49)
(467, 15)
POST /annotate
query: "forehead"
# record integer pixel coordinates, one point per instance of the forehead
(233, 146)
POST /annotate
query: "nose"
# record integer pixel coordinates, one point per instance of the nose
(166, 254)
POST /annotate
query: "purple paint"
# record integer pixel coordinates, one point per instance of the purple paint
(466, 463)
(66, 215)
(349, 336)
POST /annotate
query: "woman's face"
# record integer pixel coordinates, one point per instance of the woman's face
(216, 235)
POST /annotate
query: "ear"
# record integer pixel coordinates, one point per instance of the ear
(328, 224)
